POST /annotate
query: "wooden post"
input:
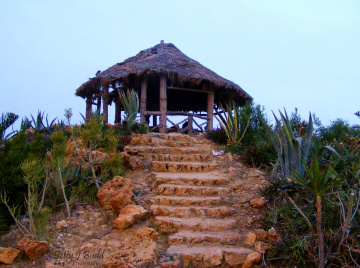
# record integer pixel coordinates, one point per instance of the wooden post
(163, 104)
(154, 119)
(98, 105)
(88, 107)
(229, 101)
(210, 108)
(143, 101)
(117, 110)
(106, 102)
(190, 123)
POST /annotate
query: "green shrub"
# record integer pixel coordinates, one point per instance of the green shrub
(217, 135)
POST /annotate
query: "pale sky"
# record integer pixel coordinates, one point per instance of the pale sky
(285, 54)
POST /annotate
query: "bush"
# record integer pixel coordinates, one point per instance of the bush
(217, 135)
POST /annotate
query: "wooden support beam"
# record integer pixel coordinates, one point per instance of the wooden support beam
(143, 100)
(210, 108)
(88, 107)
(154, 119)
(190, 123)
(117, 110)
(98, 105)
(188, 89)
(106, 102)
(163, 104)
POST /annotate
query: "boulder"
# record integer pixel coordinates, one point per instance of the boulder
(61, 225)
(116, 194)
(8, 255)
(273, 235)
(251, 259)
(146, 233)
(129, 215)
(260, 234)
(33, 249)
(249, 240)
(261, 247)
(258, 202)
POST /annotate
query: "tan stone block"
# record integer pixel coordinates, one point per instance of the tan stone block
(249, 240)
(251, 259)
(8, 255)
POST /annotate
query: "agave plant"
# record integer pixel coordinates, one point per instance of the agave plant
(231, 123)
(292, 148)
(130, 102)
(5, 122)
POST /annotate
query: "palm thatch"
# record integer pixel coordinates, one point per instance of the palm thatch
(181, 71)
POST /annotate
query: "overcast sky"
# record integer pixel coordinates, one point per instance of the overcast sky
(285, 54)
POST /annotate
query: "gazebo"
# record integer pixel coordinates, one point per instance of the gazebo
(168, 83)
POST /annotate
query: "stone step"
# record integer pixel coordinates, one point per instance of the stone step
(207, 237)
(159, 166)
(186, 201)
(162, 150)
(175, 157)
(172, 224)
(142, 138)
(191, 190)
(191, 212)
(156, 141)
(199, 179)
(210, 256)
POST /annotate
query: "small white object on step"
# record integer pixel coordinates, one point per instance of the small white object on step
(215, 153)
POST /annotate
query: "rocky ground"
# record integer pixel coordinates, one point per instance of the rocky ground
(89, 238)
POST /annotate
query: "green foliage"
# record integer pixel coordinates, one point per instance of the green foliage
(289, 144)
(6, 121)
(112, 167)
(230, 121)
(217, 135)
(130, 103)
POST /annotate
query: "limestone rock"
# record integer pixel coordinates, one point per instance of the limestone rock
(147, 233)
(260, 234)
(33, 249)
(258, 202)
(273, 235)
(61, 225)
(8, 255)
(129, 215)
(116, 194)
(114, 263)
(251, 259)
(249, 240)
(170, 264)
(261, 247)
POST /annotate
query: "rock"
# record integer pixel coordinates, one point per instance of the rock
(249, 240)
(251, 259)
(125, 158)
(147, 233)
(212, 259)
(8, 255)
(260, 234)
(130, 215)
(61, 225)
(258, 202)
(114, 263)
(170, 264)
(116, 194)
(273, 235)
(135, 162)
(33, 249)
(233, 259)
(261, 247)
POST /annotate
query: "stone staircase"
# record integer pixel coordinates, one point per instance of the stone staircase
(193, 202)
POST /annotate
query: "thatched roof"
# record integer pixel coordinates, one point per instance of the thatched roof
(164, 58)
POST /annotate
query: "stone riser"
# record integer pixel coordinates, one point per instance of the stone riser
(161, 150)
(136, 141)
(210, 256)
(180, 201)
(172, 225)
(175, 158)
(195, 238)
(178, 190)
(181, 167)
(192, 180)
(191, 212)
